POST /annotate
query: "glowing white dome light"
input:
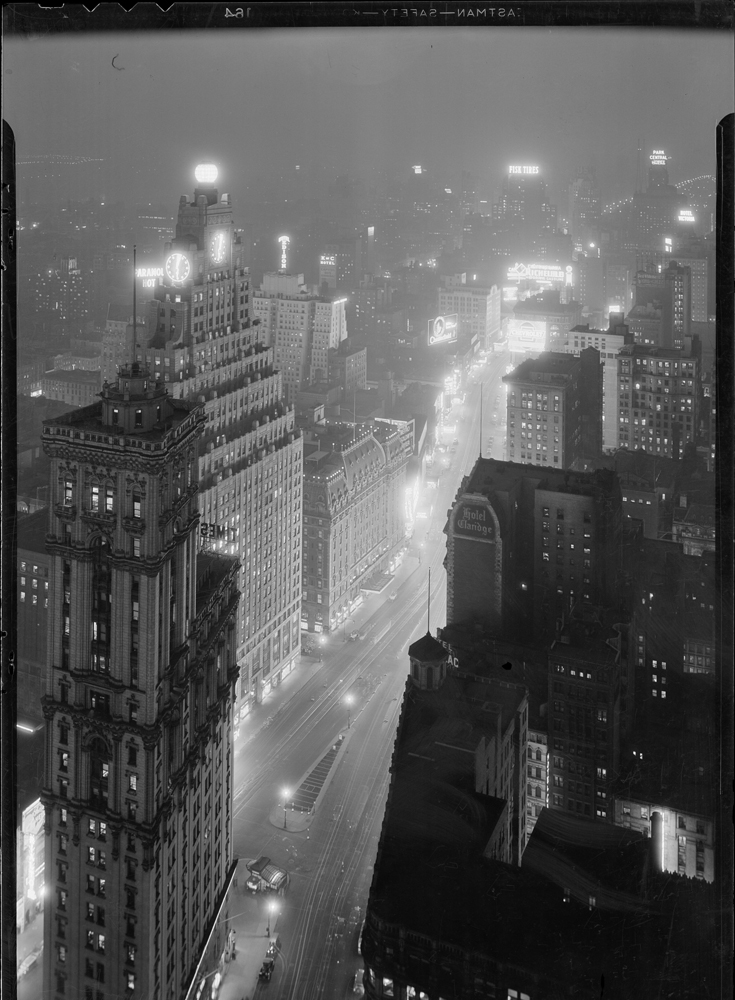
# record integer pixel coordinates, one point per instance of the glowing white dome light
(206, 173)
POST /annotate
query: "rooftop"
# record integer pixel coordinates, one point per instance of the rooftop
(32, 532)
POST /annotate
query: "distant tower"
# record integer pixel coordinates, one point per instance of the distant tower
(139, 693)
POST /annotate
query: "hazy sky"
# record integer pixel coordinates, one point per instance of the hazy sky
(359, 99)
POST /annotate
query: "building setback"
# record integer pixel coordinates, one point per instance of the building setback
(300, 326)
(200, 337)
(141, 676)
(554, 405)
(354, 515)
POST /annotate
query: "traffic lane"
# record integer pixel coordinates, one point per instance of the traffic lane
(353, 809)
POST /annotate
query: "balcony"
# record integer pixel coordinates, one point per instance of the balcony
(106, 518)
(67, 511)
(135, 525)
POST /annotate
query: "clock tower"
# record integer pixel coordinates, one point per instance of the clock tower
(199, 266)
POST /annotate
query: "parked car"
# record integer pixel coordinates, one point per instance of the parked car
(266, 969)
(273, 948)
(357, 987)
(354, 636)
(393, 594)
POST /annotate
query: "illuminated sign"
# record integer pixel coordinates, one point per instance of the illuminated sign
(540, 272)
(327, 261)
(447, 190)
(527, 336)
(212, 530)
(474, 521)
(510, 293)
(522, 170)
(686, 215)
(443, 329)
(284, 241)
(658, 158)
(417, 169)
(148, 276)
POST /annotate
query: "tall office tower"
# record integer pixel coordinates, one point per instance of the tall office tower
(608, 343)
(584, 211)
(668, 291)
(477, 309)
(524, 543)
(555, 410)
(589, 709)
(300, 326)
(653, 213)
(344, 263)
(687, 253)
(140, 685)
(524, 204)
(658, 394)
(469, 200)
(200, 334)
(61, 293)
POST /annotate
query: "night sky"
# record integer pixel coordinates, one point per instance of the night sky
(359, 100)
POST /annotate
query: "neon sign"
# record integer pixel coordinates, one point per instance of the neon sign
(443, 329)
(523, 170)
(539, 272)
(686, 215)
(326, 260)
(149, 272)
(658, 158)
(284, 241)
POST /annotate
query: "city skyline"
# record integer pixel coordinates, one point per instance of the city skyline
(367, 530)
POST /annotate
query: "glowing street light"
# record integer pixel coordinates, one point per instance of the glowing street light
(349, 699)
(272, 913)
(285, 800)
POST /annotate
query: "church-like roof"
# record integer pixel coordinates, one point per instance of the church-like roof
(427, 649)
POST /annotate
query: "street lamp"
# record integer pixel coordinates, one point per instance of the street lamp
(285, 800)
(272, 910)
(322, 640)
(349, 700)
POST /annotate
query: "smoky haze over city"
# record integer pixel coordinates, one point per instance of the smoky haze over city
(367, 605)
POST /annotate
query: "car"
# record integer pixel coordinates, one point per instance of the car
(357, 987)
(273, 948)
(456, 441)
(354, 636)
(393, 595)
(266, 969)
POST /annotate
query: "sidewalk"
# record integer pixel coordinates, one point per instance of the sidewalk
(249, 919)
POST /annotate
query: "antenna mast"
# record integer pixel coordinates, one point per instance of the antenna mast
(481, 395)
(135, 310)
(428, 607)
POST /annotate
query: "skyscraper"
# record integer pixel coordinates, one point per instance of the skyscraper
(300, 326)
(200, 336)
(555, 410)
(140, 686)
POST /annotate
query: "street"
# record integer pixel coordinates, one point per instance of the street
(331, 862)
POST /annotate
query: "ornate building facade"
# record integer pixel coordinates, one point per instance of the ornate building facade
(140, 685)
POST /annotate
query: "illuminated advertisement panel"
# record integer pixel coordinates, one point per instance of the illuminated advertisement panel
(527, 336)
(443, 329)
(148, 277)
(523, 170)
(686, 215)
(553, 273)
(658, 158)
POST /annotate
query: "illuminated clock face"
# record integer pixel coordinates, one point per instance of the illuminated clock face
(218, 247)
(178, 267)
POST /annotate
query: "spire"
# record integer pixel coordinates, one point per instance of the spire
(135, 310)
